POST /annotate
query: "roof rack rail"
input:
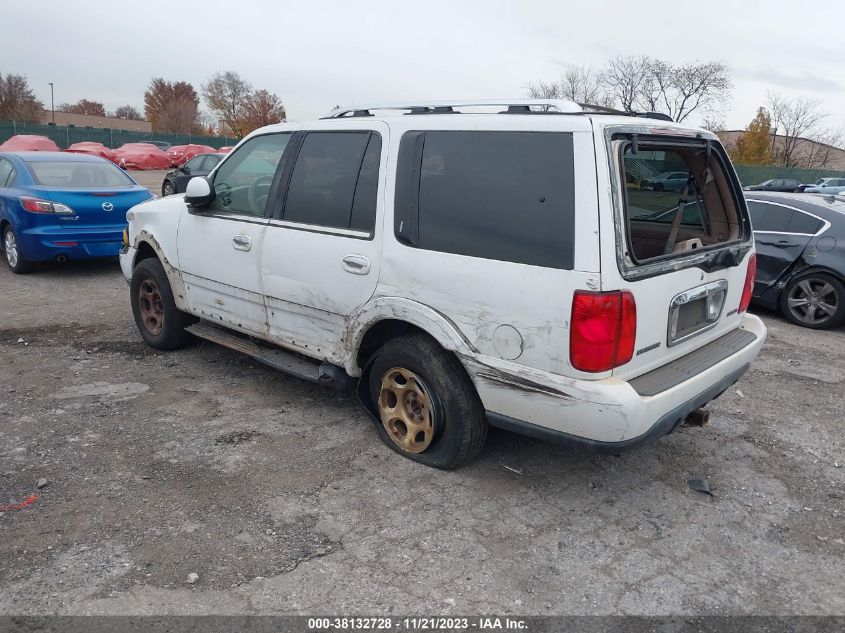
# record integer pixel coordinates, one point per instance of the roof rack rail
(598, 109)
(550, 106)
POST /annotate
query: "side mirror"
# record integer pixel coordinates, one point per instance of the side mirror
(198, 193)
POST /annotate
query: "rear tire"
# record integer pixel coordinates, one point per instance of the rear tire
(15, 258)
(815, 300)
(161, 324)
(427, 406)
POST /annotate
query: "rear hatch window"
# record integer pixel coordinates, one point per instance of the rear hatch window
(680, 197)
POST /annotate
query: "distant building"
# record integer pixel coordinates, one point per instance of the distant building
(810, 154)
(98, 122)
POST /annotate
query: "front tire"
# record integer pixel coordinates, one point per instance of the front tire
(161, 324)
(168, 188)
(18, 264)
(815, 300)
(427, 406)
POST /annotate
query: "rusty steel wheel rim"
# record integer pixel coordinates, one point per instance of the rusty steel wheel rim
(151, 307)
(405, 410)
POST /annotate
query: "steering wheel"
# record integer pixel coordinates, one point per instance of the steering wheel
(258, 192)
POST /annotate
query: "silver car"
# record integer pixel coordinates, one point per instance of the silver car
(828, 185)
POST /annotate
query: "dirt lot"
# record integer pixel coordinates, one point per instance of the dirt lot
(279, 495)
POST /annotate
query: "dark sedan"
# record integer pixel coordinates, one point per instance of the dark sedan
(176, 180)
(800, 240)
(785, 185)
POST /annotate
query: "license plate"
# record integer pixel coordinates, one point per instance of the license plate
(696, 310)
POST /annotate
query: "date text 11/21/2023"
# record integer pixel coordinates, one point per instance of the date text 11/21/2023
(417, 623)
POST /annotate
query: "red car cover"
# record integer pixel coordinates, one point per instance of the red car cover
(29, 143)
(180, 154)
(141, 156)
(94, 149)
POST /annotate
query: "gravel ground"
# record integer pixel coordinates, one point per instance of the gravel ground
(279, 496)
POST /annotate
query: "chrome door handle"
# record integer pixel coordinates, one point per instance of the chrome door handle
(241, 242)
(356, 264)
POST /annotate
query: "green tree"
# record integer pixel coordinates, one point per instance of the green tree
(755, 147)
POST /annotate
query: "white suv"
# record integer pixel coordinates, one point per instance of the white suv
(469, 264)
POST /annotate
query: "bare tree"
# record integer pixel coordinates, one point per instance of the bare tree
(580, 84)
(128, 112)
(226, 95)
(545, 90)
(628, 80)
(684, 89)
(797, 121)
(17, 101)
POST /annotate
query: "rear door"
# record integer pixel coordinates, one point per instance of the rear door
(781, 233)
(322, 249)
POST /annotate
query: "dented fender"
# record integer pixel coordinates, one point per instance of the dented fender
(174, 275)
(436, 324)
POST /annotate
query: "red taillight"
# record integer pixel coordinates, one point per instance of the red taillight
(602, 330)
(34, 205)
(748, 288)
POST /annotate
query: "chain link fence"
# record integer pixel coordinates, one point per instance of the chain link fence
(66, 135)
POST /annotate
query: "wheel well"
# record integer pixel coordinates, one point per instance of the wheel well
(145, 251)
(809, 270)
(381, 333)
(3, 225)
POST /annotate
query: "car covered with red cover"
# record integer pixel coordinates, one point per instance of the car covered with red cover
(141, 156)
(180, 154)
(29, 143)
(93, 149)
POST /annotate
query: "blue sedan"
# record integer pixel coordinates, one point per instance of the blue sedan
(57, 206)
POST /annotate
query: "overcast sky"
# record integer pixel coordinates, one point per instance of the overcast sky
(315, 54)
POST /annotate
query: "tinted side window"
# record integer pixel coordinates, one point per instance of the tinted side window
(769, 217)
(243, 182)
(323, 183)
(366, 191)
(803, 223)
(195, 164)
(5, 171)
(498, 195)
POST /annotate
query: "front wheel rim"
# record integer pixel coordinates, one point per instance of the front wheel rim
(168, 189)
(11, 248)
(813, 301)
(151, 307)
(406, 410)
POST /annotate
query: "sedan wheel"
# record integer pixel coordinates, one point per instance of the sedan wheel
(10, 245)
(12, 249)
(814, 301)
(168, 189)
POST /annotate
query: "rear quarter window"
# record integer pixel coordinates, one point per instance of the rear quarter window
(505, 196)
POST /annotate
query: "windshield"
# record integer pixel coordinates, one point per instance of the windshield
(78, 175)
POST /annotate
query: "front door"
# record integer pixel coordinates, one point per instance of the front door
(322, 249)
(220, 247)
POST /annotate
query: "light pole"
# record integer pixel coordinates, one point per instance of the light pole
(52, 104)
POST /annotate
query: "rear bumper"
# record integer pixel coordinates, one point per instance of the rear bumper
(45, 243)
(610, 414)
